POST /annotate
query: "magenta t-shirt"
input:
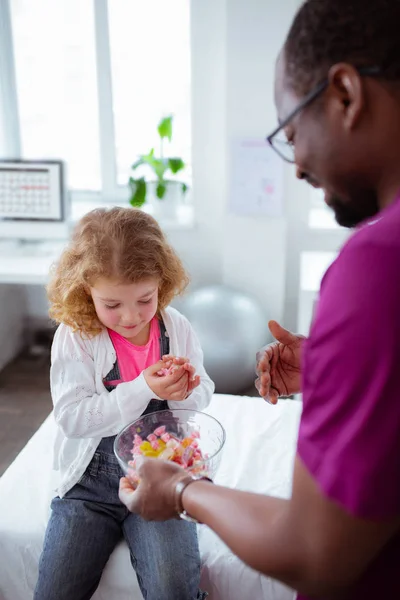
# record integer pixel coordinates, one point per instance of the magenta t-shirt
(132, 359)
(349, 438)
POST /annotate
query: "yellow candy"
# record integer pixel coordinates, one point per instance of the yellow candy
(162, 445)
(150, 453)
(148, 450)
(146, 447)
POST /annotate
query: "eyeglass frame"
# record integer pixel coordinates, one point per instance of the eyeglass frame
(308, 99)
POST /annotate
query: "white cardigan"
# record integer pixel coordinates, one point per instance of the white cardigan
(85, 411)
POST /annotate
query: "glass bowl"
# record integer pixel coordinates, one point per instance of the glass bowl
(180, 423)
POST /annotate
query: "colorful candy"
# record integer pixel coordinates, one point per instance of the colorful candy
(161, 444)
(160, 431)
(163, 372)
(167, 371)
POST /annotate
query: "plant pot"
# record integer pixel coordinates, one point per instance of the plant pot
(169, 206)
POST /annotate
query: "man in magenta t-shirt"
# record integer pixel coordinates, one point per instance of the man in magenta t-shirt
(338, 100)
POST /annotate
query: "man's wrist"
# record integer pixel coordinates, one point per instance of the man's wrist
(180, 489)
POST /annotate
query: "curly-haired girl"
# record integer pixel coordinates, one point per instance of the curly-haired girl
(110, 293)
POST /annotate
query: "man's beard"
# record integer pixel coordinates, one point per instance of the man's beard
(352, 213)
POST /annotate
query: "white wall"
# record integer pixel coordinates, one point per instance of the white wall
(235, 43)
(256, 30)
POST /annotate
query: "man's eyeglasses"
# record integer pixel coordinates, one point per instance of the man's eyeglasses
(278, 140)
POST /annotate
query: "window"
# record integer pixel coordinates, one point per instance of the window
(320, 216)
(55, 71)
(92, 78)
(150, 67)
(313, 241)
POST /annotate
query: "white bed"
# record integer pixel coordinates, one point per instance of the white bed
(258, 456)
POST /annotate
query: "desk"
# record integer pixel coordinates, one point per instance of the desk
(28, 262)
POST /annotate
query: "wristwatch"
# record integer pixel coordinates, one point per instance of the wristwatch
(179, 489)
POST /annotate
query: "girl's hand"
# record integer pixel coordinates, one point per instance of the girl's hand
(170, 360)
(170, 387)
(194, 380)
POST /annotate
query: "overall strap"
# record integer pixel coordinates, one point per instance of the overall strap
(164, 339)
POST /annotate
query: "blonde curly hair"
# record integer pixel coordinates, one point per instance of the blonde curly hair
(122, 244)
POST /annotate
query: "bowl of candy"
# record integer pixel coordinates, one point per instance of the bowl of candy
(190, 438)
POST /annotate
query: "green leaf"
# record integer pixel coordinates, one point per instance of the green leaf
(158, 165)
(139, 189)
(161, 189)
(159, 168)
(176, 165)
(184, 188)
(165, 128)
(138, 163)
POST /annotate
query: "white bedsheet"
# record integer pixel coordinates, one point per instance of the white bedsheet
(258, 456)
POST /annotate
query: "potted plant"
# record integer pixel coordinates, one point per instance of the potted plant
(167, 192)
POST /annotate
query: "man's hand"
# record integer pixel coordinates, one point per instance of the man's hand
(154, 498)
(308, 542)
(278, 365)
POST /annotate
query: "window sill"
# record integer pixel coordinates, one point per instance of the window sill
(183, 220)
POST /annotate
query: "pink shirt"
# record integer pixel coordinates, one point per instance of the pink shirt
(349, 438)
(132, 360)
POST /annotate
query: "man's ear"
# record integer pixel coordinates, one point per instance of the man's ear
(346, 93)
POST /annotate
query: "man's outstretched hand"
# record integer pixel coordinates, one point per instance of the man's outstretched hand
(278, 364)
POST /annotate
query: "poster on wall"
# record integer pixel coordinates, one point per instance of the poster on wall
(256, 179)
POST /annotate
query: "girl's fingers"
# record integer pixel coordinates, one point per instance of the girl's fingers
(176, 360)
(190, 369)
(194, 383)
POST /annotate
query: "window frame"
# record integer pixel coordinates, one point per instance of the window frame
(110, 191)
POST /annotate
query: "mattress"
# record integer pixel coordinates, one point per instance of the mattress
(258, 456)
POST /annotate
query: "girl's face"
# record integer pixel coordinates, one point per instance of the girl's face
(126, 308)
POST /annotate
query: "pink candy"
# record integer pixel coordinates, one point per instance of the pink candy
(155, 444)
(160, 431)
(152, 437)
(165, 437)
(163, 372)
(187, 455)
(167, 371)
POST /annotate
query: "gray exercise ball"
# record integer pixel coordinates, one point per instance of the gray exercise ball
(231, 327)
